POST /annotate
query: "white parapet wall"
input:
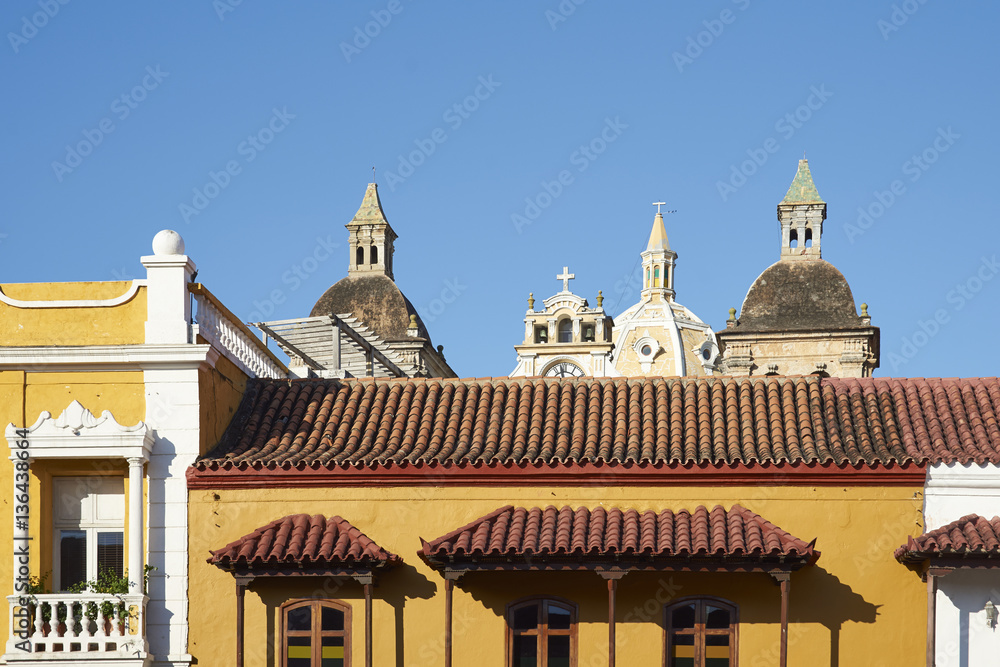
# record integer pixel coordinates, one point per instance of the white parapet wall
(963, 638)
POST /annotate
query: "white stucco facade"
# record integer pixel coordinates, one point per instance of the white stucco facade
(963, 638)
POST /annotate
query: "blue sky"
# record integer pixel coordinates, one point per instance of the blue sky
(471, 111)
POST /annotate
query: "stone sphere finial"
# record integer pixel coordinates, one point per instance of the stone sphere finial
(732, 315)
(168, 242)
(864, 310)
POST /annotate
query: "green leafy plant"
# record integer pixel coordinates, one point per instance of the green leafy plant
(108, 582)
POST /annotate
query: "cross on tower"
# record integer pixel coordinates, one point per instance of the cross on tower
(658, 204)
(566, 276)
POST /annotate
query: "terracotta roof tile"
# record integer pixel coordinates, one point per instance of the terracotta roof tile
(526, 533)
(972, 536)
(300, 540)
(434, 422)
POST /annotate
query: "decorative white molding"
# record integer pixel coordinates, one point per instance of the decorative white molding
(77, 433)
(646, 360)
(91, 303)
(111, 357)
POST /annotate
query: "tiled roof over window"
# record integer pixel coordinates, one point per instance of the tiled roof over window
(582, 533)
(303, 541)
(329, 423)
(972, 536)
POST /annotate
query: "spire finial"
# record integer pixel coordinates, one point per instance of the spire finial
(373, 175)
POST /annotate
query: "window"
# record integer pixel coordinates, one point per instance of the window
(315, 633)
(374, 254)
(566, 331)
(656, 276)
(700, 633)
(541, 632)
(360, 256)
(88, 519)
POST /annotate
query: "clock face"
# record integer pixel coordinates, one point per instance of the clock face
(564, 369)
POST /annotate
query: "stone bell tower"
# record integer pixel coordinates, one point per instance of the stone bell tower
(370, 238)
(799, 316)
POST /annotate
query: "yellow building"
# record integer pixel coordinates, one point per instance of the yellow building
(111, 391)
(669, 521)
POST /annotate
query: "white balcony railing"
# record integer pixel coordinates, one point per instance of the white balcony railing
(76, 625)
(220, 327)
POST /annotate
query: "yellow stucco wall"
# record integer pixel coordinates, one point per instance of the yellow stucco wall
(23, 396)
(856, 606)
(220, 392)
(115, 325)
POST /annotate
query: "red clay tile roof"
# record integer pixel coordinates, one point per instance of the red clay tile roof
(302, 541)
(517, 533)
(433, 422)
(971, 537)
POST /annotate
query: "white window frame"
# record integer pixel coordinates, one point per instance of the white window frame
(91, 526)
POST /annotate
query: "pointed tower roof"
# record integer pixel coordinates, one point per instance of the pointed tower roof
(370, 212)
(658, 235)
(802, 190)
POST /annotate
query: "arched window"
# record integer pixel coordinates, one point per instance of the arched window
(361, 256)
(566, 331)
(374, 254)
(656, 276)
(647, 277)
(700, 633)
(541, 632)
(793, 239)
(315, 633)
(809, 237)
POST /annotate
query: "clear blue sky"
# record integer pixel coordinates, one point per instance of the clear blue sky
(683, 93)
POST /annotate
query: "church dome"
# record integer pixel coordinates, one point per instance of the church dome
(375, 300)
(797, 295)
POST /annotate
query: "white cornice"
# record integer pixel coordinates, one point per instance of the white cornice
(92, 303)
(106, 357)
(956, 477)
